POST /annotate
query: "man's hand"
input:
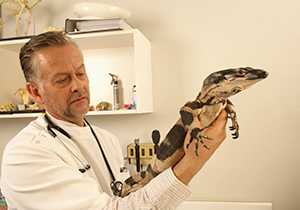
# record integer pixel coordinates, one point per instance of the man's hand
(190, 164)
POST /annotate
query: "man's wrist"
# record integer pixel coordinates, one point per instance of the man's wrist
(185, 170)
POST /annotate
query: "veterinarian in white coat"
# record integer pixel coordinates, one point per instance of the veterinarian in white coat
(56, 162)
(41, 172)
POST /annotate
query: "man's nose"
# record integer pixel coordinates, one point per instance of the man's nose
(76, 84)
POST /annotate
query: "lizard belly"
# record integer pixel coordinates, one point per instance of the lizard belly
(209, 113)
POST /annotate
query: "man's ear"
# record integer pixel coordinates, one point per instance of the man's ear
(34, 92)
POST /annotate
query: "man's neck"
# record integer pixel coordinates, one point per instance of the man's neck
(75, 120)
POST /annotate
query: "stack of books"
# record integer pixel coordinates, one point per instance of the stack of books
(80, 25)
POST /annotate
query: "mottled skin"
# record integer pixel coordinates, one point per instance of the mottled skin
(207, 106)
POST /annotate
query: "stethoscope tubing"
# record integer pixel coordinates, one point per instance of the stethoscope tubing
(116, 186)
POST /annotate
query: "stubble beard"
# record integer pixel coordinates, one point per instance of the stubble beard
(72, 113)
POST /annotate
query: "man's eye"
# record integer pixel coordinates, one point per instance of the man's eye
(61, 81)
(81, 75)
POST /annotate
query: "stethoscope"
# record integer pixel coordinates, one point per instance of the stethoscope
(116, 186)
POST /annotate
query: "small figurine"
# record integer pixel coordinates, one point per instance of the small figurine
(103, 105)
(24, 95)
(10, 107)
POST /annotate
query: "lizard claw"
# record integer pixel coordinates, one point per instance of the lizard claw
(197, 146)
(206, 137)
(235, 135)
(196, 134)
(207, 147)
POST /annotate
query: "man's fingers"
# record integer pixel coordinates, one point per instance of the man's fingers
(215, 131)
(221, 120)
(187, 139)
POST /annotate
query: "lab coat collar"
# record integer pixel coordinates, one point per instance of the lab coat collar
(63, 122)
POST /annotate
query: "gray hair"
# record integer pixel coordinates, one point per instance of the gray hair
(36, 43)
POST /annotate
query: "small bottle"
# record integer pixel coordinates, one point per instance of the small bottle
(134, 97)
(115, 82)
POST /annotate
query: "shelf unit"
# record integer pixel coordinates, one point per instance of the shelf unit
(126, 53)
(90, 113)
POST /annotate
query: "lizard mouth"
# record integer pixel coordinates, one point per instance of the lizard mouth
(264, 74)
(259, 74)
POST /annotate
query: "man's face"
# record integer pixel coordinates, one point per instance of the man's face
(62, 83)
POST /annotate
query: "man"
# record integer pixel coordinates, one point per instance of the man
(55, 162)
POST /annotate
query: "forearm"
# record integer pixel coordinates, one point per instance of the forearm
(164, 192)
(186, 168)
(185, 171)
(191, 163)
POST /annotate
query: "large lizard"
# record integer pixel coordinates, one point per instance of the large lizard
(207, 106)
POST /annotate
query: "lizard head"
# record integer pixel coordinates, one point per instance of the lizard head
(220, 85)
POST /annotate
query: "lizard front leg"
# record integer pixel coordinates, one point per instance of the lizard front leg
(196, 134)
(232, 115)
(189, 115)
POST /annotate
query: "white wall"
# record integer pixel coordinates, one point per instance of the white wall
(264, 163)
(193, 38)
(204, 205)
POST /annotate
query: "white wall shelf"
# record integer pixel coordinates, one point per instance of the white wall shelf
(94, 40)
(126, 53)
(90, 113)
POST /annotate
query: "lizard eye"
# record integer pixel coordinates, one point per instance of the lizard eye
(240, 73)
(236, 90)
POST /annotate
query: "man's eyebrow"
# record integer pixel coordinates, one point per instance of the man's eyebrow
(80, 66)
(61, 74)
(65, 73)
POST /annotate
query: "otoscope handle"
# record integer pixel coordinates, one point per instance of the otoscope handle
(137, 155)
(155, 139)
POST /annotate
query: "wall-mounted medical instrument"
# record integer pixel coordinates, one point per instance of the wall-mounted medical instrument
(140, 155)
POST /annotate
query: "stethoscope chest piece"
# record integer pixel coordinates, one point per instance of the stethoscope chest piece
(116, 187)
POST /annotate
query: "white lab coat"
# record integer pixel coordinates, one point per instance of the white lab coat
(40, 172)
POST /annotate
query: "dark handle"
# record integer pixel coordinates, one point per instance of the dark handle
(137, 155)
(155, 139)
